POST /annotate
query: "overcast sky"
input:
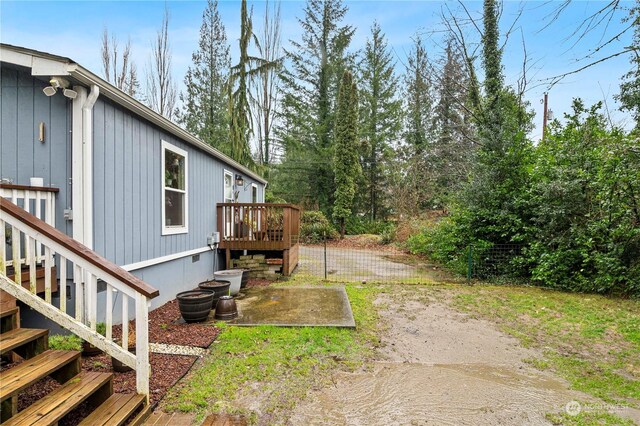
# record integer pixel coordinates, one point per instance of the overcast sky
(74, 29)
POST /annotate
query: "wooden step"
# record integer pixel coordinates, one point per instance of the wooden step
(7, 312)
(14, 339)
(62, 365)
(114, 411)
(9, 319)
(53, 407)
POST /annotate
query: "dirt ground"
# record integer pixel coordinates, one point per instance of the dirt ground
(440, 367)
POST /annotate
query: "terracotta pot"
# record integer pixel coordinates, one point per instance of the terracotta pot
(226, 308)
(195, 305)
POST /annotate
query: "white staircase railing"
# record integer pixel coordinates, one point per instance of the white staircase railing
(86, 269)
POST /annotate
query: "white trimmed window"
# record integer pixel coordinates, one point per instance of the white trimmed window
(175, 195)
(228, 187)
(254, 193)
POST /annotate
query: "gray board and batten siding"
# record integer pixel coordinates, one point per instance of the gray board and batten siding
(23, 107)
(127, 182)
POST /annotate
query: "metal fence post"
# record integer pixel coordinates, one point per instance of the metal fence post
(470, 264)
(324, 235)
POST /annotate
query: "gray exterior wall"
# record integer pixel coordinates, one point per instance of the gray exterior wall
(23, 107)
(127, 182)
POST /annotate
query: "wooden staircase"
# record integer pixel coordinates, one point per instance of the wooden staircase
(35, 361)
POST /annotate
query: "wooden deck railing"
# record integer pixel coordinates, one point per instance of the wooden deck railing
(258, 226)
(85, 268)
(39, 201)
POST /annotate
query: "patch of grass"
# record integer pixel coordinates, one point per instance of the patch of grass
(69, 342)
(588, 418)
(279, 364)
(590, 340)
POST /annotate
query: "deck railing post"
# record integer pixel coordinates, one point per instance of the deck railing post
(142, 345)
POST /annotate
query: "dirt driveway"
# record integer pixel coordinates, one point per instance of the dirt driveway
(437, 366)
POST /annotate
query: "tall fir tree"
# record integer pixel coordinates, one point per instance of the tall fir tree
(418, 98)
(381, 118)
(310, 86)
(345, 158)
(415, 180)
(204, 103)
(453, 146)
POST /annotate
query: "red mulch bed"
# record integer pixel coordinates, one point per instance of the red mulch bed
(166, 370)
(165, 327)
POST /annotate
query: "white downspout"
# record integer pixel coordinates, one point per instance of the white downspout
(87, 165)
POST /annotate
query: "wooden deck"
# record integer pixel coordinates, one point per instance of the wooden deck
(260, 227)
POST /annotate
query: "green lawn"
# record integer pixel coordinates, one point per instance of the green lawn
(590, 340)
(279, 362)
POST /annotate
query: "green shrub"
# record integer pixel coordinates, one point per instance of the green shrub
(69, 342)
(358, 225)
(270, 198)
(315, 226)
(442, 242)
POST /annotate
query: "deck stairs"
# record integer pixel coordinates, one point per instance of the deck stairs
(26, 351)
(31, 245)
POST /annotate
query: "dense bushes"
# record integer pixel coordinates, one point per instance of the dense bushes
(357, 225)
(585, 197)
(577, 217)
(315, 226)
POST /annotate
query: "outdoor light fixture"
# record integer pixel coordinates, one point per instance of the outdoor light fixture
(239, 180)
(59, 83)
(49, 90)
(71, 94)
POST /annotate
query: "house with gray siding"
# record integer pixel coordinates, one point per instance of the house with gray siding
(126, 182)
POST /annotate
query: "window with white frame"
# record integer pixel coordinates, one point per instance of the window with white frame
(254, 193)
(228, 187)
(175, 206)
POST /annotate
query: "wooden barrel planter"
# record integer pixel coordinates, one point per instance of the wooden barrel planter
(218, 287)
(226, 308)
(195, 305)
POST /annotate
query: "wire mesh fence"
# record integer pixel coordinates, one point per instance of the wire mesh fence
(380, 264)
(498, 260)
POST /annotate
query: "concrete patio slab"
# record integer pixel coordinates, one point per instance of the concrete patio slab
(300, 306)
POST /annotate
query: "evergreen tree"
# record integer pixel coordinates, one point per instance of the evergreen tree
(239, 109)
(204, 110)
(380, 116)
(310, 84)
(418, 98)
(630, 89)
(453, 147)
(345, 158)
(500, 177)
(415, 181)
